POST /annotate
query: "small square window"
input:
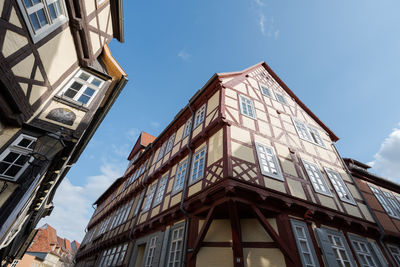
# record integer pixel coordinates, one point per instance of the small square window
(82, 88)
(265, 90)
(280, 98)
(247, 107)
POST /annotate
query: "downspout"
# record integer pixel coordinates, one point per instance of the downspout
(142, 197)
(381, 230)
(185, 184)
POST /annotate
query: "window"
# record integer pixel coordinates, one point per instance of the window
(113, 256)
(280, 98)
(187, 128)
(388, 202)
(121, 214)
(14, 160)
(268, 162)
(180, 176)
(14, 263)
(308, 133)
(175, 250)
(340, 186)
(82, 88)
(365, 252)
(334, 248)
(150, 254)
(318, 182)
(247, 107)
(42, 16)
(198, 165)
(149, 199)
(199, 116)
(160, 190)
(265, 91)
(162, 150)
(395, 251)
(170, 143)
(103, 226)
(304, 244)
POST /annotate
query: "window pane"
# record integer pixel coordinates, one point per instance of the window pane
(96, 82)
(28, 3)
(89, 92)
(84, 99)
(42, 17)
(35, 21)
(52, 10)
(11, 157)
(13, 170)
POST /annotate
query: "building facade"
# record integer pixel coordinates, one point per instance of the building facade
(383, 196)
(58, 80)
(245, 175)
(48, 249)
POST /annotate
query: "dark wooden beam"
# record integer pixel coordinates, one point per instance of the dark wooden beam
(267, 226)
(203, 232)
(236, 234)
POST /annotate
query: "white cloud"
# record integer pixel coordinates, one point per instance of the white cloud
(155, 124)
(259, 2)
(261, 22)
(387, 161)
(184, 55)
(73, 204)
(132, 134)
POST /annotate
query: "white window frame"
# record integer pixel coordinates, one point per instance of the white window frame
(85, 85)
(283, 100)
(180, 177)
(161, 152)
(176, 246)
(395, 251)
(160, 190)
(199, 166)
(316, 178)
(187, 128)
(170, 143)
(388, 203)
(53, 24)
(340, 186)
(21, 151)
(199, 116)
(363, 252)
(305, 239)
(268, 161)
(308, 133)
(249, 106)
(336, 247)
(151, 251)
(149, 198)
(264, 87)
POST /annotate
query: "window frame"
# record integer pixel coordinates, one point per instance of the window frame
(307, 128)
(343, 185)
(284, 102)
(149, 198)
(151, 251)
(325, 184)
(187, 128)
(176, 239)
(385, 203)
(395, 255)
(198, 178)
(180, 174)
(199, 116)
(24, 151)
(279, 174)
(161, 187)
(241, 99)
(263, 86)
(170, 143)
(52, 25)
(307, 239)
(360, 254)
(85, 85)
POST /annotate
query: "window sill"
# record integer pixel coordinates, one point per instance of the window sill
(70, 102)
(248, 116)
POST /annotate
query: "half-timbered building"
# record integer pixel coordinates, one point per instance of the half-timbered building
(245, 175)
(383, 198)
(58, 79)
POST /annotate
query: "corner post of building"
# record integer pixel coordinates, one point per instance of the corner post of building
(191, 241)
(287, 237)
(236, 234)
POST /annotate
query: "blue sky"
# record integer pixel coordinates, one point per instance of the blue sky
(341, 58)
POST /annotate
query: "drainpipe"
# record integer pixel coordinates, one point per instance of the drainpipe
(381, 230)
(185, 185)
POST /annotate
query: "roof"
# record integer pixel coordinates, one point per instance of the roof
(109, 189)
(332, 135)
(361, 169)
(143, 141)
